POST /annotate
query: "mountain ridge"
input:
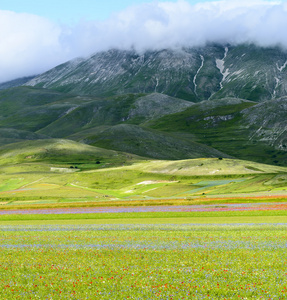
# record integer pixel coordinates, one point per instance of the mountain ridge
(194, 74)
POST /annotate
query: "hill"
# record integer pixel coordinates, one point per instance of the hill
(208, 167)
(150, 125)
(61, 152)
(240, 128)
(146, 142)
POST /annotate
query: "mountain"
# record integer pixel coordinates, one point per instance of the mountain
(15, 82)
(195, 74)
(217, 101)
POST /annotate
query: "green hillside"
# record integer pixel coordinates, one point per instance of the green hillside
(150, 125)
(146, 142)
(209, 166)
(61, 152)
(226, 125)
(10, 135)
(31, 109)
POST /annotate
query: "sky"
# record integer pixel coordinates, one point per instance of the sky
(69, 11)
(38, 35)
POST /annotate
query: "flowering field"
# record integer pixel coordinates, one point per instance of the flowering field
(268, 212)
(144, 261)
(226, 207)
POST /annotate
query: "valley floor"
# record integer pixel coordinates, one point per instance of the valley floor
(144, 261)
(192, 229)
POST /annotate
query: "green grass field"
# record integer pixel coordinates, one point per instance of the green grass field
(143, 261)
(64, 182)
(126, 217)
(70, 254)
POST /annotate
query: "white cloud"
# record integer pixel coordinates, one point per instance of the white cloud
(31, 44)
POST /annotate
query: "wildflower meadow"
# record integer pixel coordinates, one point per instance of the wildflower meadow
(143, 261)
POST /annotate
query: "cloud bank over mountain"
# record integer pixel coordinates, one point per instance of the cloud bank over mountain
(31, 44)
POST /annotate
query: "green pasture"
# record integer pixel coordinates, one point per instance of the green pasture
(35, 182)
(150, 221)
(143, 261)
(64, 172)
(276, 216)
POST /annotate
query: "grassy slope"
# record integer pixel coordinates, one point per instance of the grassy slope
(219, 124)
(10, 135)
(39, 156)
(42, 113)
(40, 171)
(209, 166)
(130, 108)
(31, 109)
(146, 142)
(168, 133)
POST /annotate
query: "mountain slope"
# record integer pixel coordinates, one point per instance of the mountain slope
(235, 127)
(31, 109)
(10, 135)
(131, 108)
(253, 73)
(267, 123)
(151, 125)
(195, 74)
(119, 72)
(15, 82)
(146, 142)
